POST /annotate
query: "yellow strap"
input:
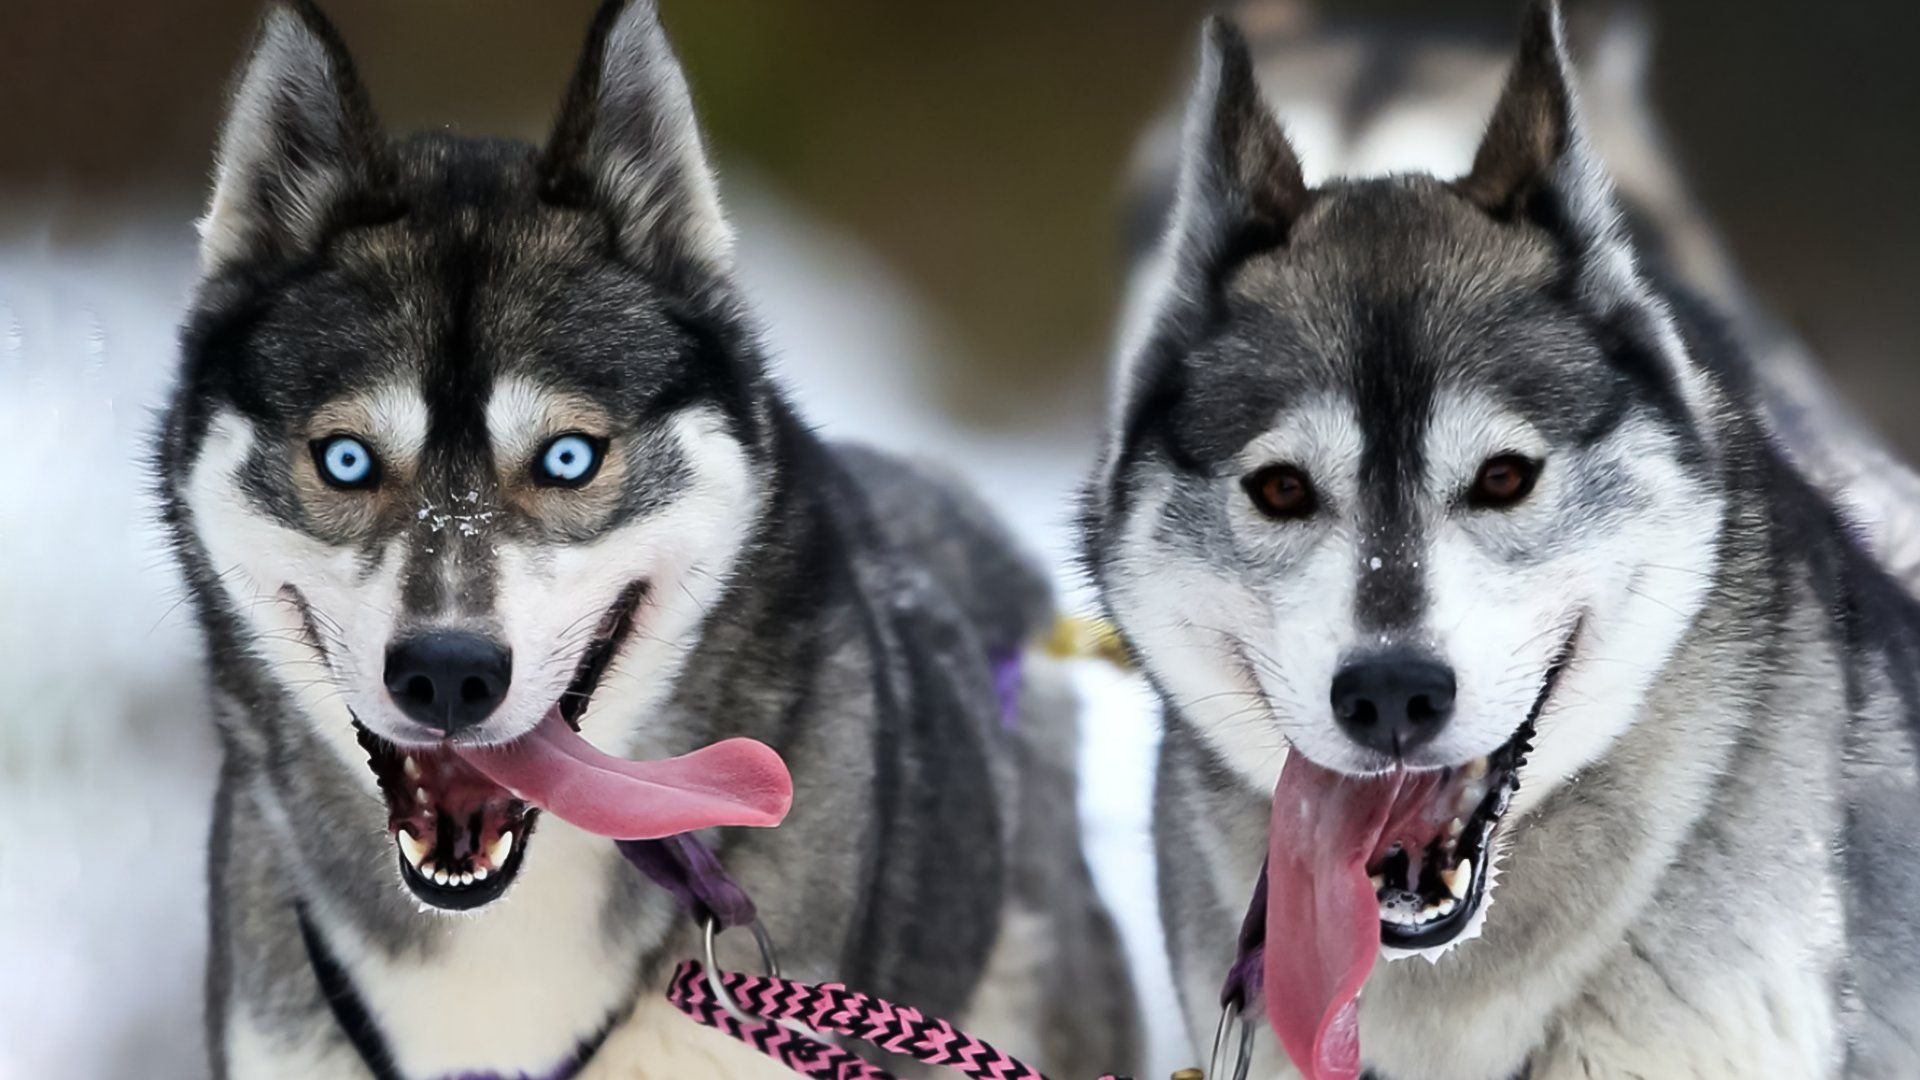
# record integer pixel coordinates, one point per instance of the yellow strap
(1078, 637)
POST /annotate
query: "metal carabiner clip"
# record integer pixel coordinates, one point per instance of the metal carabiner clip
(769, 961)
(1223, 1039)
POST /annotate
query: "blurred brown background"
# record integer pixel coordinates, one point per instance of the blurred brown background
(979, 148)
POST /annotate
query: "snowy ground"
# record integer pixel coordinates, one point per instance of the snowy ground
(106, 755)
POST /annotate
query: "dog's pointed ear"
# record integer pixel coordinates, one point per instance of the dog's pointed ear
(1535, 162)
(1240, 186)
(300, 142)
(1537, 166)
(628, 144)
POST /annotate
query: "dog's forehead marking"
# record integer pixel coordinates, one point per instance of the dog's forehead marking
(520, 412)
(1322, 427)
(393, 414)
(1469, 426)
(516, 411)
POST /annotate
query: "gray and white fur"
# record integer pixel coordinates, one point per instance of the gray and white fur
(1709, 868)
(456, 303)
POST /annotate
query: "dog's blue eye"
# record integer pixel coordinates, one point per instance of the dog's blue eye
(344, 461)
(568, 461)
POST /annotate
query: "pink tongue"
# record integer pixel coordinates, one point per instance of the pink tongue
(1323, 918)
(734, 782)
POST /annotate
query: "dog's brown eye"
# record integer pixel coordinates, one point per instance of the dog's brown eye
(1281, 491)
(1504, 479)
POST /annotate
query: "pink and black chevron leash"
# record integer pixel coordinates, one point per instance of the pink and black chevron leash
(832, 1008)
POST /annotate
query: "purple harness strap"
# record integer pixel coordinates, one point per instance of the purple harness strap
(1244, 978)
(690, 871)
(1008, 678)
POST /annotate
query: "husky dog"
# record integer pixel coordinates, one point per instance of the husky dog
(473, 441)
(1486, 609)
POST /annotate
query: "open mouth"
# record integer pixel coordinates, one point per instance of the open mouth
(460, 837)
(1432, 878)
(1398, 861)
(1430, 887)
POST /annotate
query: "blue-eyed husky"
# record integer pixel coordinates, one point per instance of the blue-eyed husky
(474, 467)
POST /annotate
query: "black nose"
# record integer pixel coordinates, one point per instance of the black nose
(1393, 704)
(448, 680)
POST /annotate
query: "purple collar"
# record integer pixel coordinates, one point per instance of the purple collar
(689, 870)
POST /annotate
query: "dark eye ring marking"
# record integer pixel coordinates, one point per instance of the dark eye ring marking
(1282, 492)
(570, 460)
(344, 462)
(1504, 480)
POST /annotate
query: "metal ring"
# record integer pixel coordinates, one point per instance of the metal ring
(768, 960)
(1230, 1019)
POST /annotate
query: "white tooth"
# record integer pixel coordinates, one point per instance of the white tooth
(414, 850)
(1430, 913)
(1455, 828)
(1476, 768)
(1379, 882)
(1446, 907)
(1458, 879)
(426, 870)
(498, 851)
(479, 873)
(420, 793)
(466, 879)
(441, 877)
(412, 768)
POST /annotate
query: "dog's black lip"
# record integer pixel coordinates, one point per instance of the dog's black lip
(617, 624)
(1514, 751)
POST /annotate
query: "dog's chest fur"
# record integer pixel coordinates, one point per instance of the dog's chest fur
(548, 933)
